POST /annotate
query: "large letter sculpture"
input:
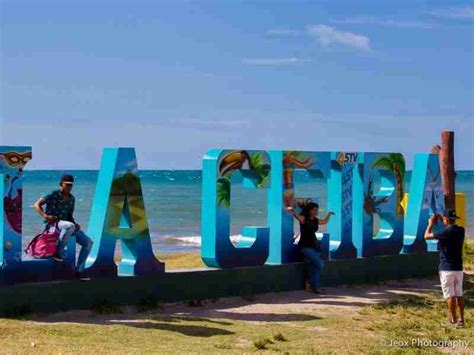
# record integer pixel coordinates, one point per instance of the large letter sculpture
(217, 249)
(12, 162)
(425, 198)
(381, 183)
(282, 195)
(340, 201)
(118, 212)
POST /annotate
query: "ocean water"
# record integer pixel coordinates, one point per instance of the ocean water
(173, 203)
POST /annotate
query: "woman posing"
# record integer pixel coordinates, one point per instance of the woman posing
(310, 245)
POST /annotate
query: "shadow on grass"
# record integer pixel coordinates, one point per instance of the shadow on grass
(397, 312)
(17, 312)
(407, 301)
(185, 329)
(170, 323)
(172, 319)
(266, 317)
(356, 295)
(427, 301)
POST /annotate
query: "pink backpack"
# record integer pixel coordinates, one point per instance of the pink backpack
(44, 245)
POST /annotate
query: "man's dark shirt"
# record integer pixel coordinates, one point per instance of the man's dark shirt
(59, 207)
(450, 245)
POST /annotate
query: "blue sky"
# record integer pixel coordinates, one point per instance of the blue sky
(176, 78)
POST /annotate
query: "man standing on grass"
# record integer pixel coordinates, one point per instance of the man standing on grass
(450, 243)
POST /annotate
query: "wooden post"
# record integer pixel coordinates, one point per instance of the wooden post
(448, 174)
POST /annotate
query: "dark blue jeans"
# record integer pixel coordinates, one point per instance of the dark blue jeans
(313, 258)
(68, 229)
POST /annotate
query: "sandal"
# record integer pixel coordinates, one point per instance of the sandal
(460, 323)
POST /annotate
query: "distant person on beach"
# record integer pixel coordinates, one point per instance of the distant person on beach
(59, 209)
(308, 243)
(450, 243)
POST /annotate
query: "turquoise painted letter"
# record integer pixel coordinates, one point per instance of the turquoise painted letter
(380, 181)
(12, 162)
(217, 249)
(118, 212)
(425, 198)
(340, 200)
(282, 195)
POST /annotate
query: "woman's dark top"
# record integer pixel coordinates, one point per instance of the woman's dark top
(308, 238)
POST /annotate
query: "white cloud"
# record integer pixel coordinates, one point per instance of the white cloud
(273, 61)
(369, 20)
(455, 13)
(328, 35)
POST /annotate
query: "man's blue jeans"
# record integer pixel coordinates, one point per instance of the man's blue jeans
(68, 229)
(313, 257)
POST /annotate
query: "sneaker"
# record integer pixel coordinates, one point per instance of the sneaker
(57, 257)
(460, 323)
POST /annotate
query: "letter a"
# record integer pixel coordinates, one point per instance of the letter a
(118, 212)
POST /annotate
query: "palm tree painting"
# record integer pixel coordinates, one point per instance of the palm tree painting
(395, 163)
(128, 184)
(223, 191)
(292, 160)
(236, 160)
(261, 168)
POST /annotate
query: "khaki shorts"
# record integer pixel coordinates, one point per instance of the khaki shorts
(451, 283)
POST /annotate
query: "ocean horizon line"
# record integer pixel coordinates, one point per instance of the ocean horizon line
(39, 170)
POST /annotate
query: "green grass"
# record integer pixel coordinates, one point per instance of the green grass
(468, 255)
(420, 317)
(178, 260)
(262, 343)
(279, 337)
(147, 330)
(163, 334)
(181, 260)
(365, 331)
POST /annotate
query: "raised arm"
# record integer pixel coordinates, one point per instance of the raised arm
(38, 206)
(428, 232)
(299, 217)
(326, 220)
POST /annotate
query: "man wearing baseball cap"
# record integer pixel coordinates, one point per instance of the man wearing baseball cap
(60, 208)
(450, 243)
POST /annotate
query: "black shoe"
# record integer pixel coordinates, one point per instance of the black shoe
(309, 288)
(57, 257)
(318, 291)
